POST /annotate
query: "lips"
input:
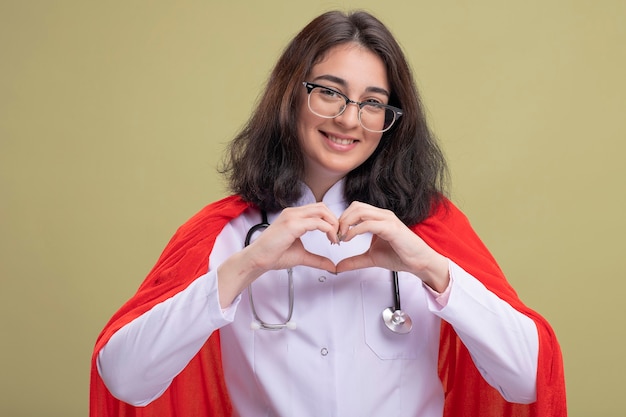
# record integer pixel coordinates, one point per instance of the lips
(340, 141)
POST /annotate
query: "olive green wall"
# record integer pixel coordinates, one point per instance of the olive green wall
(113, 116)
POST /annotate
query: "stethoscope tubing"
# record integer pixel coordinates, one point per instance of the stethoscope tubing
(258, 323)
(396, 290)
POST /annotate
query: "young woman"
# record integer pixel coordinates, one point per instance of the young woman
(338, 279)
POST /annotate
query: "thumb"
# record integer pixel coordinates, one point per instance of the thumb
(355, 262)
(318, 262)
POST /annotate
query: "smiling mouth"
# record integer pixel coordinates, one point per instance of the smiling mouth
(340, 141)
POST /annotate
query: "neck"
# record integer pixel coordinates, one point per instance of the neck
(319, 186)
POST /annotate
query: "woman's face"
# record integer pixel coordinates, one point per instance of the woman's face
(334, 147)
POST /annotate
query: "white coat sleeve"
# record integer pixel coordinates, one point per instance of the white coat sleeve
(141, 359)
(503, 343)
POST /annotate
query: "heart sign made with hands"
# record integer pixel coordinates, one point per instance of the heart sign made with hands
(394, 246)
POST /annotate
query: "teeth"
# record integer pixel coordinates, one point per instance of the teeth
(340, 141)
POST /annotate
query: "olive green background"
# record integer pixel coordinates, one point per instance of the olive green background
(114, 116)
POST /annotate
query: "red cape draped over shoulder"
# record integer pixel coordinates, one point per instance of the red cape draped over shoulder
(199, 390)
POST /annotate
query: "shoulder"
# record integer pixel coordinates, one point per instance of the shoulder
(216, 214)
(449, 232)
(227, 208)
(444, 215)
(199, 232)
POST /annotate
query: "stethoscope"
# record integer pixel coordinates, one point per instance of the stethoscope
(397, 320)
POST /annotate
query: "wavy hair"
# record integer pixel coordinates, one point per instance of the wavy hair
(406, 173)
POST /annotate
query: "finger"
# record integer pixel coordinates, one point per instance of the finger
(383, 229)
(355, 215)
(319, 262)
(293, 228)
(299, 220)
(354, 262)
(378, 222)
(331, 227)
(319, 210)
(351, 215)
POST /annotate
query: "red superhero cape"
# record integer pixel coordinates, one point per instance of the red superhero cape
(199, 390)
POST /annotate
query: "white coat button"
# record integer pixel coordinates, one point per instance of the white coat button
(324, 351)
(322, 278)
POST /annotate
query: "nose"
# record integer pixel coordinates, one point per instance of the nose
(350, 116)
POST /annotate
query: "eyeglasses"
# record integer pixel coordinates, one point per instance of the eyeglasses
(328, 103)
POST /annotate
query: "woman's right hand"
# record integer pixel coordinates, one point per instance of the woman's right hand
(278, 247)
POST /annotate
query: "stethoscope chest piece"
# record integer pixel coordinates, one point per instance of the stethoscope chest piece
(397, 320)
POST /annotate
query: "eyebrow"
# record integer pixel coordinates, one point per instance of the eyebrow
(344, 84)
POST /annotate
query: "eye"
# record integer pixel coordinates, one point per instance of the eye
(373, 106)
(328, 92)
(373, 102)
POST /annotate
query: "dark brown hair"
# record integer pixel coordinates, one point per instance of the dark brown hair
(405, 174)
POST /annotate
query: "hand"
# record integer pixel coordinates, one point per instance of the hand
(394, 246)
(278, 247)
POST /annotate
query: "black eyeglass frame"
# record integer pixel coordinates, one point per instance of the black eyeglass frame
(396, 111)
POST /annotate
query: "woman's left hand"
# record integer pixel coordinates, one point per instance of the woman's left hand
(394, 246)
